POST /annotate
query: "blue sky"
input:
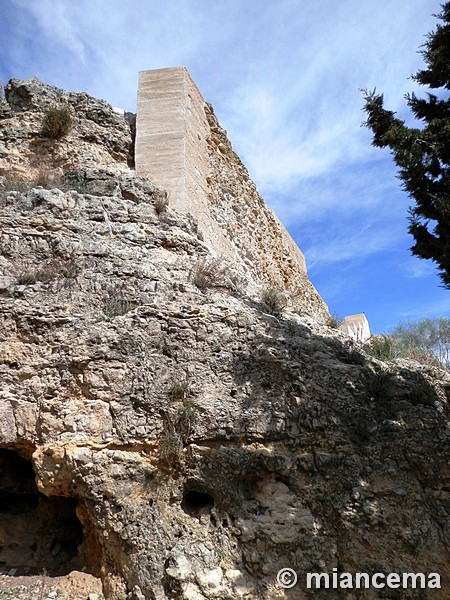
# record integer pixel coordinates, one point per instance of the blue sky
(284, 79)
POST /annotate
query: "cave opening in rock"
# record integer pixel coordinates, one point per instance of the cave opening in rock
(37, 532)
(196, 503)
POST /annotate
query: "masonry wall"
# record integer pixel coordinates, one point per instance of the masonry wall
(182, 148)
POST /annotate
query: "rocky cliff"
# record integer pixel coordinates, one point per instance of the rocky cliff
(174, 432)
(100, 136)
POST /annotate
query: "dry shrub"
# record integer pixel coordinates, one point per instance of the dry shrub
(335, 321)
(116, 306)
(210, 273)
(54, 268)
(160, 204)
(57, 122)
(274, 300)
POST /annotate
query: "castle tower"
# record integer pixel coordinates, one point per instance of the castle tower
(181, 147)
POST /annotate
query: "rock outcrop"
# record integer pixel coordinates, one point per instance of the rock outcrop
(100, 136)
(176, 436)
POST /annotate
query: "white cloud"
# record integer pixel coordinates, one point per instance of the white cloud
(351, 246)
(59, 20)
(416, 268)
(297, 113)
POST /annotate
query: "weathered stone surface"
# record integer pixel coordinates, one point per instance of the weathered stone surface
(179, 442)
(100, 136)
(206, 443)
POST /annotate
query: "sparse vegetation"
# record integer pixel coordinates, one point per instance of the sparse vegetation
(182, 418)
(383, 347)
(14, 182)
(70, 181)
(33, 276)
(273, 300)
(179, 389)
(209, 273)
(355, 357)
(335, 321)
(427, 341)
(57, 122)
(42, 585)
(116, 306)
(187, 417)
(45, 178)
(294, 328)
(170, 446)
(219, 552)
(421, 394)
(379, 386)
(160, 204)
(52, 269)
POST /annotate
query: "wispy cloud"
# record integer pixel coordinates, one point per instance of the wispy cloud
(59, 20)
(418, 269)
(352, 247)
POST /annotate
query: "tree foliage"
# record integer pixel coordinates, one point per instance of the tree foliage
(425, 338)
(422, 154)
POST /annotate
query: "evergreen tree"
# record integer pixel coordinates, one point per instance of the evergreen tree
(422, 154)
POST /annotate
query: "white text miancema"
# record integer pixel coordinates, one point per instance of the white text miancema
(345, 580)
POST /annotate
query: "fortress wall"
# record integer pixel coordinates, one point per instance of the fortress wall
(160, 122)
(171, 146)
(182, 148)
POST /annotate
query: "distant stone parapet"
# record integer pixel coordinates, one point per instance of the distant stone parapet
(357, 327)
(183, 149)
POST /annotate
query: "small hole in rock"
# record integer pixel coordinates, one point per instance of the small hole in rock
(197, 503)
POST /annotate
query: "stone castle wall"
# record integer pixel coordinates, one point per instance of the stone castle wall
(182, 148)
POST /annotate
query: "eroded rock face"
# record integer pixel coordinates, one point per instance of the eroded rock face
(202, 442)
(100, 136)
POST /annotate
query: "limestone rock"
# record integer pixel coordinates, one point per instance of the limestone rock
(99, 135)
(178, 441)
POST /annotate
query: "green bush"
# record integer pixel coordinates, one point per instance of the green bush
(427, 341)
(57, 122)
(383, 347)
